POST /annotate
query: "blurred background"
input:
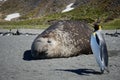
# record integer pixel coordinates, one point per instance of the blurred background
(39, 14)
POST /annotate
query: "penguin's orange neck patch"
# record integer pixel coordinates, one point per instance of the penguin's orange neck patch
(99, 28)
(94, 33)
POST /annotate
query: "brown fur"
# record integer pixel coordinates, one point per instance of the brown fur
(63, 39)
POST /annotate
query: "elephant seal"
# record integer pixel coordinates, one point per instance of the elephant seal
(62, 39)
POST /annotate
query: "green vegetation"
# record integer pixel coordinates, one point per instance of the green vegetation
(90, 12)
(43, 22)
(33, 23)
(23, 26)
(115, 24)
(86, 12)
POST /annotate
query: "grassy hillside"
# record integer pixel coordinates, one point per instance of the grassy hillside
(114, 24)
(33, 8)
(106, 10)
(20, 6)
(33, 23)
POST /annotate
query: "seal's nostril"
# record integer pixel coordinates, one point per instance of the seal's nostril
(49, 41)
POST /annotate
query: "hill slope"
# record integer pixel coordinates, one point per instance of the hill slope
(45, 11)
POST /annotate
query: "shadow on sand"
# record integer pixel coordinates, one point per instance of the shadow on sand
(83, 71)
(28, 57)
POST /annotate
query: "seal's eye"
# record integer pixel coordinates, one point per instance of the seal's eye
(49, 41)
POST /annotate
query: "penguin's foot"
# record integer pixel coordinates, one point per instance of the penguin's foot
(102, 71)
(107, 70)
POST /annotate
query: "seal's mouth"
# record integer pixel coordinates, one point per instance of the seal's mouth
(39, 55)
(42, 54)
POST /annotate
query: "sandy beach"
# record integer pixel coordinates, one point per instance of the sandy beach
(16, 62)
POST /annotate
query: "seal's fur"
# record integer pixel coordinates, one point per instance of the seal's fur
(62, 39)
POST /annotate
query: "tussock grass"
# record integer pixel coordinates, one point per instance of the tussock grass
(23, 26)
(32, 24)
(115, 24)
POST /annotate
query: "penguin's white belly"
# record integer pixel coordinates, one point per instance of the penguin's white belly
(96, 50)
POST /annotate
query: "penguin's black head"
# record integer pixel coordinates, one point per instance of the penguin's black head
(97, 27)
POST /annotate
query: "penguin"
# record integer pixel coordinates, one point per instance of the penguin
(17, 32)
(99, 48)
